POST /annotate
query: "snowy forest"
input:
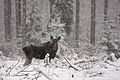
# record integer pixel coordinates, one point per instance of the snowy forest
(87, 34)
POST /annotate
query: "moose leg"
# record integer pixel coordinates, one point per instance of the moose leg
(27, 62)
(49, 59)
(28, 51)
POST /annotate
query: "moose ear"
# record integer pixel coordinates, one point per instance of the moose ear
(51, 37)
(59, 38)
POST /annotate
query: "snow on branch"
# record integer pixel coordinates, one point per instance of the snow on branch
(72, 66)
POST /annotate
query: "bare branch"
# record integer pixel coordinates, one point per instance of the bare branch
(81, 61)
(44, 75)
(22, 69)
(60, 61)
(22, 74)
(71, 65)
(12, 68)
(110, 63)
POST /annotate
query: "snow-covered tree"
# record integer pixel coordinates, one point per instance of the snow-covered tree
(65, 10)
(108, 44)
(33, 26)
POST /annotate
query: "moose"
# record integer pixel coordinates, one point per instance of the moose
(39, 52)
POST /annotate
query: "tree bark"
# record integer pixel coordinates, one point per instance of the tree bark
(93, 23)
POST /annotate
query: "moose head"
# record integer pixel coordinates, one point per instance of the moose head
(54, 42)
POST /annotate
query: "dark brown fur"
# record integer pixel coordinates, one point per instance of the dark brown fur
(39, 52)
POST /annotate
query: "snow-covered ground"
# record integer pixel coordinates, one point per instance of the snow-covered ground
(11, 69)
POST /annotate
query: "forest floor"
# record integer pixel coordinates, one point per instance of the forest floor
(12, 69)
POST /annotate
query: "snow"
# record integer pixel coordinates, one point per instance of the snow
(102, 71)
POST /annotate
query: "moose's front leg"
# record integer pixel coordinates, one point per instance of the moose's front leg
(47, 58)
(52, 56)
(50, 60)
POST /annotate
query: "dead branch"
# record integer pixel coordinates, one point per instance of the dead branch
(28, 71)
(95, 60)
(60, 61)
(22, 74)
(44, 75)
(55, 75)
(97, 74)
(40, 72)
(85, 76)
(71, 65)
(12, 68)
(22, 69)
(110, 63)
(38, 75)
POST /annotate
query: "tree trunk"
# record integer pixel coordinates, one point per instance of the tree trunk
(7, 20)
(93, 14)
(23, 22)
(118, 14)
(77, 23)
(106, 11)
(24, 14)
(18, 18)
(51, 10)
(107, 29)
(117, 18)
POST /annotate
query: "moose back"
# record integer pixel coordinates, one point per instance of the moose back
(39, 52)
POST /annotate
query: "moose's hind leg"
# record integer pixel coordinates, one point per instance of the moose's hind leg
(28, 59)
(27, 62)
(28, 54)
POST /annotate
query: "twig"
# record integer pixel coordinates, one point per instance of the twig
(28, 71)
(38, 75)
(85, 76)
(60, 61)
(110, 63)
(85, 61)
(44, 75)
(12, 68)
(23, 69)
(71, 65)
(22, 74)
(55, 75)
(97, 74)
